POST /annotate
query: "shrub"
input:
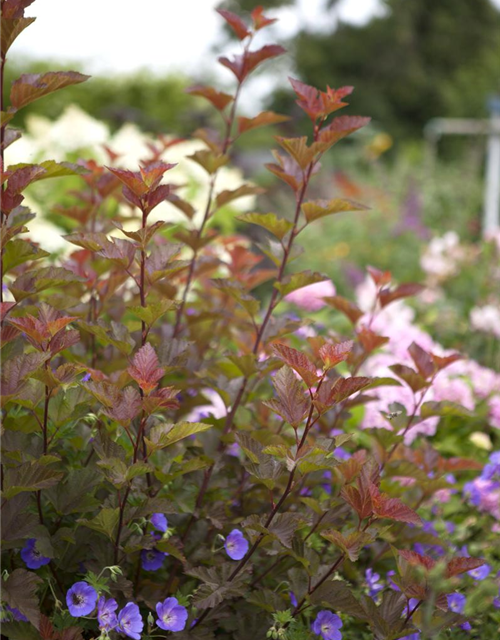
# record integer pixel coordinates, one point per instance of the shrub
(176, 456)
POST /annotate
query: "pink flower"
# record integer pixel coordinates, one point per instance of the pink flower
(311, 297)
(494, 405)
(453, 390)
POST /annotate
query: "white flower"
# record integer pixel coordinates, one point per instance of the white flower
(486, 318)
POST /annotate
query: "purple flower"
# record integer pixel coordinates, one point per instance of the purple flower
(81, 599)
(456, 602)
(327, 625)
(465, 626)
(236, 545)
(172, 616)
(496, 602)
(293, 599)
(159, 522)
(391, 582)
(413, 636)
(31, 556)
(15, 613)
(152, 559)
(372, 580)
(130, 621)
(481, 572)
(86, 377)
(106, 615)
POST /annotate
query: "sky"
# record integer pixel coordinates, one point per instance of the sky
(160, 35)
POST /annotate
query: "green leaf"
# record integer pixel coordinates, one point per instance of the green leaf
(443, 409)
(30, 476)
(164, 435)
(298, 280)
(105, 522)
(209, 160)
(19, 251)
(279, 227)
(153, 312)
(320, 208)
(38, 280)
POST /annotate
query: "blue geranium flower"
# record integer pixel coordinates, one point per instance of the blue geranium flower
(480, 573)
(31, 556)
(106, 615)
(159, 522)
(81, 599)
(172, 616)
(327, 625)
(456, 602)
(152, 559)
(130, 621)
(236, 545)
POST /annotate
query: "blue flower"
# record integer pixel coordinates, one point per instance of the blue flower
(15, 614)
(172, 616)
(391, 582)
(481, 572)
(465, 626)
(159, 522)
(152, 559)
(372, 580)
(106, 615)
(236, 545)
(130, 621)
(81, 599)
(31, 556)
(293, 599)
(327, 625)
(456, 602)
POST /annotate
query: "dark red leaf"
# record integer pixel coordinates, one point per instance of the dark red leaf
(456, 566)
(299, 362)
(145, 368)
(235, 22)
(332, 354)
(422, 359)
(260, 20)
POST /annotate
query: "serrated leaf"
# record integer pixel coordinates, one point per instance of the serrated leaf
(263, 119)
(32, 86)
(29, 476)
(19, 592)
(299, 362)
(338, 595)
(19, 251)
(164, 435)
(228, 195)
(298, 280)
(279, 227)
(106, 522)
(316, 209)
(145, 369)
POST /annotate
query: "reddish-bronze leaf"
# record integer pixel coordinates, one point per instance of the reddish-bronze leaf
(380, 278)
(235, 22)
(292, 403)
(392, 508)
(359, 499)
(413, 379)
(263, 119)
(260, 20)
(441, 362)
(32, 86)
(299, 362)
(242, 65)
(145, 368)
(319, 104)
(417, 560)
(134, 180)
(456, 566)
(386, 296)
(348, 308)
(346, 387)
(332, 354)
(217, 98)
(422, 359)
(370, 340)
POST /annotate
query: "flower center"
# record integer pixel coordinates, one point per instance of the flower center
(325, 628)
(77, 598)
